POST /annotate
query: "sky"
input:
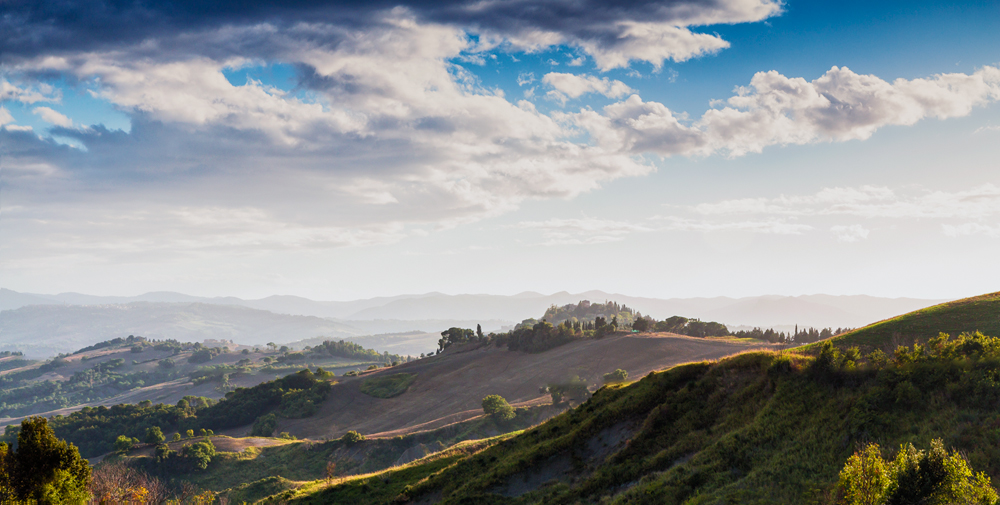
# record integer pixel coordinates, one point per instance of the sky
(343, 150)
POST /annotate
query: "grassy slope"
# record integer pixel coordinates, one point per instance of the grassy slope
(760, 427)
(256, 472)
(980, 313)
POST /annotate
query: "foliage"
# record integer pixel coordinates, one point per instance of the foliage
(355, 351)
(44, 469)
(95, 429)
(264, 426)
(496, 407)
(618, 375)
(387, 386)
(573, 389)
(124, 444)
(154, 435)
(199, 454)
(352, 437)
(933, 477)
(454, 335)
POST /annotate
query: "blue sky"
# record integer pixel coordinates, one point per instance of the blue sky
(338, 151)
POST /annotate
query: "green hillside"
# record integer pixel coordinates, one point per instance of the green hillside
(980, 313)
(760, 427)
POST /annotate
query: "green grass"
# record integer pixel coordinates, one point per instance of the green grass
(387, 386)
(980, 313)
(756, 428)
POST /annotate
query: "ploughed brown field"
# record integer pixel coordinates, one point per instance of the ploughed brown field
(449, 388)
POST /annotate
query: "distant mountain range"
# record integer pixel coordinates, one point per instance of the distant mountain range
(44, 324)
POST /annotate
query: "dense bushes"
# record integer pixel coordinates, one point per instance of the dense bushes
(933, 477)
(95, 429)
(387, 386)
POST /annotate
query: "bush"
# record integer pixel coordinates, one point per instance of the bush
(201, 356)
(387, 386)
(618, 375)
(125, 443)
(154, 435)
(932, 477)
(199, 454)
(264, 426)
(575, 389)
(352, 437)
(497, 407)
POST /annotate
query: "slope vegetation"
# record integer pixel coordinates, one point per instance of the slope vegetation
(759, 427)
(980, 313)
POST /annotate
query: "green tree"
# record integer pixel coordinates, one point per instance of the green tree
(177, 437)
(124, 443)
(154, 435)
(497, 407)
(199, 454)
(352, 437)
(44, 469)
(932, 477)
(264, 426)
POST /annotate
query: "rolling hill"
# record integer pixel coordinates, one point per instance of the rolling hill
(979, 313)
(44, 330)
(758, 427)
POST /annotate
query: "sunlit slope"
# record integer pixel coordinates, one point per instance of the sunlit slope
(979, 313)
(760, 427)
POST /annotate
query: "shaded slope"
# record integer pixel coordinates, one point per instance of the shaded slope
(979, 313)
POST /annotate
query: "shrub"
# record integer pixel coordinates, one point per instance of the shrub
(497, 407)
(201, 356)
(352, 437)
(387, 386)
(199, 454)
(264, 426)
(124, 443)
(154, 435)
(618, 375)
(932, 477)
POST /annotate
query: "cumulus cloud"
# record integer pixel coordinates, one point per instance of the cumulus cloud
(53, 117)
(574, 86)
(612, 33)
(777, 110)
(5, 117)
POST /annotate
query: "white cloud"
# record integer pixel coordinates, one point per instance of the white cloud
(582, 230)
(525, 78)
(840, 105)
(967, 229)
(5, 117)
(870, 202)
(574, 86)
(850, 233)
(29, 94)
(772, 226)
(53, 117)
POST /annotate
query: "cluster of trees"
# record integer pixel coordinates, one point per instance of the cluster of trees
(540, 337)
(20, 394)
(799, 336)
(932, 477)
(453, 336)
(96, 429)
(585, 311)
(353, 350)
(43, 468)
(115, 342)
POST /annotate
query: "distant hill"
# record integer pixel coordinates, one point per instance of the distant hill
(44, 330)
(979, 313)
(808, 310)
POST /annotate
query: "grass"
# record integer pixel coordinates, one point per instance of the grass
(258, 472)
(980, 313)
(756, 428)
(387, 386)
